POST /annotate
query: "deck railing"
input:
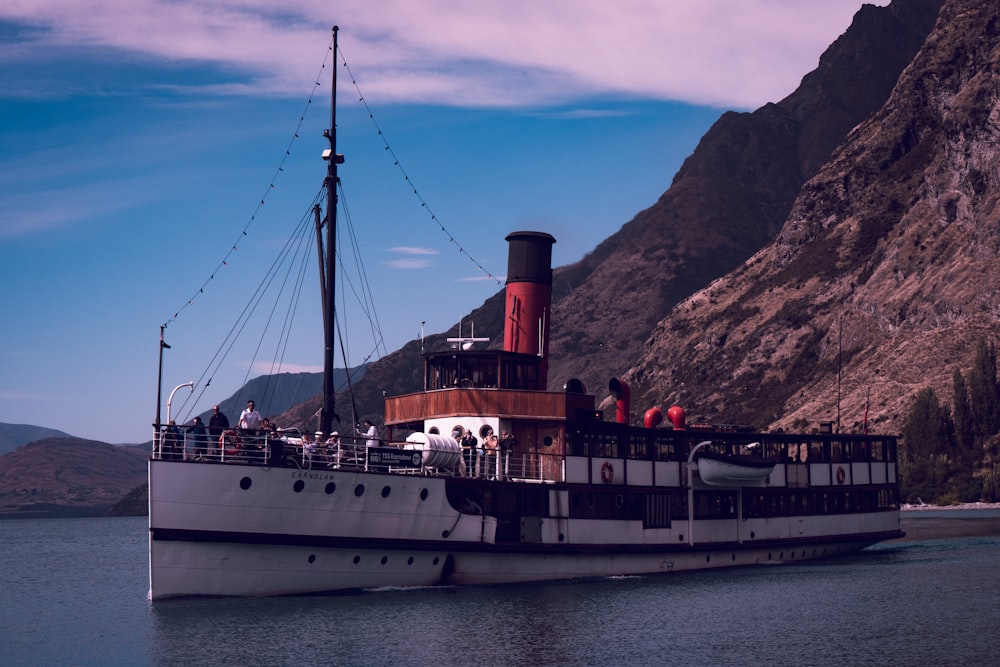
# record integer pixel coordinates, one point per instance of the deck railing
(259, 448)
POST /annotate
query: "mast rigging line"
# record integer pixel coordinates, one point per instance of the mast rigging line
(299, 244)
(300, 241)
(272, 183)
(396, 163)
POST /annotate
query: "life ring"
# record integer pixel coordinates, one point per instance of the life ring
(841, 475)
(229, 443)
(607, 472)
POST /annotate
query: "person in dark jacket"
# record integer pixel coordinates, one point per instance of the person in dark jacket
(171, 445)
(218, 423)
(197, 437)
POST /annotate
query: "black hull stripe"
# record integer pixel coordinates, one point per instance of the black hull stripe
(327, 542)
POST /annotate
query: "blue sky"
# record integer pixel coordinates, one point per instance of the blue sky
(138, 138)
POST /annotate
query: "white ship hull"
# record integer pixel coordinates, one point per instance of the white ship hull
(293, 531)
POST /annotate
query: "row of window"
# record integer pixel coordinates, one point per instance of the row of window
(608, 440)
(657, 510)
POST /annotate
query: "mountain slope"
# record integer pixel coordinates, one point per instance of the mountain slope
(885, 273)
(729, 199)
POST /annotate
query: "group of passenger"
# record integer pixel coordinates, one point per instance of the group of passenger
(489, 459)
(205, 441)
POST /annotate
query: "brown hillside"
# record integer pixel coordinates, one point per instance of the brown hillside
(728, 200)
(886, 268)
(69, 472)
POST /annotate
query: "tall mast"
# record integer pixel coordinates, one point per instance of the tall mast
(328, 410)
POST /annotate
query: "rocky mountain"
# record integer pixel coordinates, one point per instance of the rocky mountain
(729, 200)
(68, 477)
(884, 274)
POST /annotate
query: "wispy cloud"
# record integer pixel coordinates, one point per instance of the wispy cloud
(460, 52)
(476, 279)
(413, 250)
(408, 263)
(415, 257)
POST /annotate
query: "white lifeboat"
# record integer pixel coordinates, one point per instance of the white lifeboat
(733, 469)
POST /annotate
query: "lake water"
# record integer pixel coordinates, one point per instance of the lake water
(74, 593)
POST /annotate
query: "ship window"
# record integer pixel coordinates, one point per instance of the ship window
(664, 449)
(837, 452)
(819, 451)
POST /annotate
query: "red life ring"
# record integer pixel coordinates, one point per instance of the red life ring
(229, 442)
(841, 475)
(607, 472)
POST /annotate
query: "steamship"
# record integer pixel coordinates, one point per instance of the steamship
(563, 494)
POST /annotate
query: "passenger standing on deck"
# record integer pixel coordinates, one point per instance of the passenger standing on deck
(249, 418)
(492, 444)
(196, 432)
(217, 423)
(370, 434)
(170, 448)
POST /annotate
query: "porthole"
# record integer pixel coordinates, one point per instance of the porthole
(423, 494)
(386, 491)
(547, 441)
(312, 558)
(752, 534)
(357, 559)
(245, 483)
(409, 561)
(680, 538)
(385, 559)
(359, 490)
(436, 560)
(298, 486)
(734, 558)
(590, 501)
(619, 501)
(330, 487)
(708, 559)
(562, 538)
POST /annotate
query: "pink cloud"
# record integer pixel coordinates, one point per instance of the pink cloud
(468, 52)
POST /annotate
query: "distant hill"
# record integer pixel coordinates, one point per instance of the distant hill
(13, 436)
(46, 473)
(65, 476)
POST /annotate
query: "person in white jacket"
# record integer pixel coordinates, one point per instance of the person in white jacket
(370, 434)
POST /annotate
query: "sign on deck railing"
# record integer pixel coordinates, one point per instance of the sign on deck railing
(397, 458)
